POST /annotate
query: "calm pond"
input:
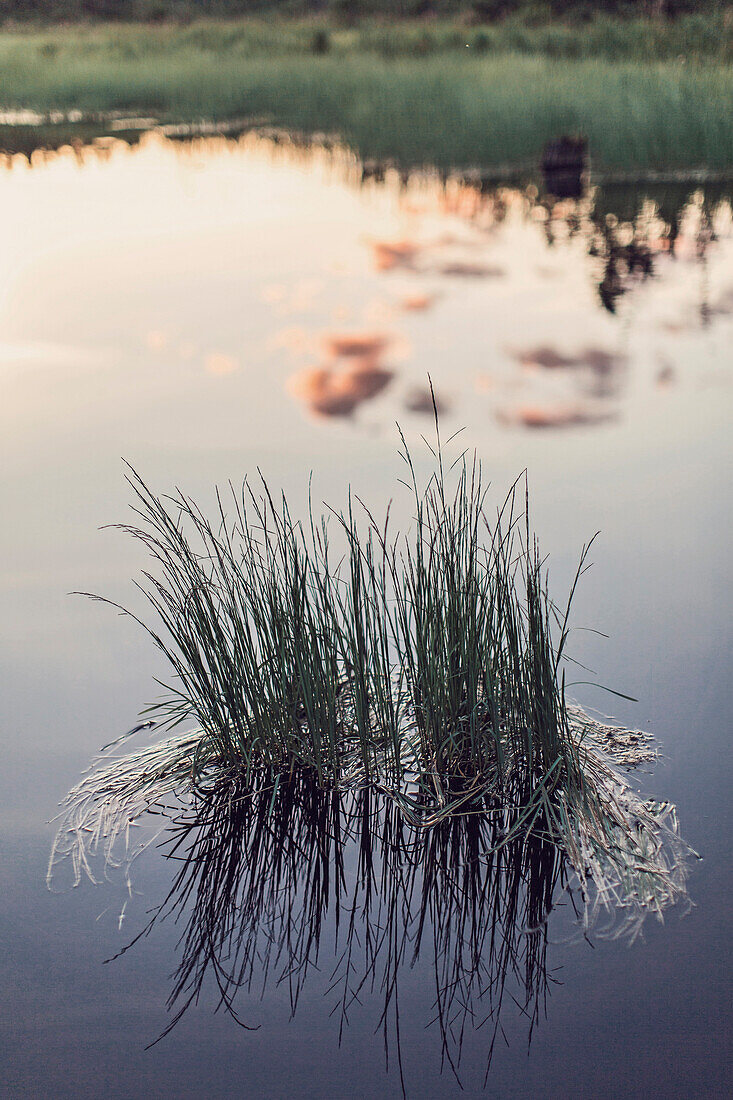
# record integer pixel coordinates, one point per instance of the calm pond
(203, 308)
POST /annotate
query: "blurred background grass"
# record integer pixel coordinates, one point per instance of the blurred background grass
(697, 36)
(418, 92)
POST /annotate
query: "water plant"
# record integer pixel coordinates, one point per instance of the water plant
(428, 665)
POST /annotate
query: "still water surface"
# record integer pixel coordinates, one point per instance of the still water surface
(204, 308)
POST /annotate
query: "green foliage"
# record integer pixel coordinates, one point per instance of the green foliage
(450, 108)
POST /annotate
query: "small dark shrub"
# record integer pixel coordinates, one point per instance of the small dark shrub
(321, 42)
(482, 42)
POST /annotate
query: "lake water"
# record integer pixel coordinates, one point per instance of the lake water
(205, 308)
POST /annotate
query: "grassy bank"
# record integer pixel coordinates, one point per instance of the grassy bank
(446, 106)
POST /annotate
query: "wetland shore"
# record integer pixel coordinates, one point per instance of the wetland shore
(648, 97)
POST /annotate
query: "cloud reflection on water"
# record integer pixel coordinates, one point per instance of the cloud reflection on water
(334, 391)
(538, 311)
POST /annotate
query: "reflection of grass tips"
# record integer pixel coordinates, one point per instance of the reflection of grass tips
(428, 665)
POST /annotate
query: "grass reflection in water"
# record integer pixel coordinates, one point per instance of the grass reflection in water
(292, 879)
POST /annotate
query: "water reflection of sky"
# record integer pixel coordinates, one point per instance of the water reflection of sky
(249, 258)
(173, 305)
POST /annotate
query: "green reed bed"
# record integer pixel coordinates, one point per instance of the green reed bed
(696, 36)
(446, 107)
(427, 665)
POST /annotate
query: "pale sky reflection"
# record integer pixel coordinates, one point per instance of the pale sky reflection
(253, 259)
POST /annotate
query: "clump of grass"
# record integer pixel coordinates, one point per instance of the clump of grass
(427, 665)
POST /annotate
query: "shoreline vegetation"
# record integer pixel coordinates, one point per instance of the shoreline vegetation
(649, 95)
(347, 13)
(427, 666)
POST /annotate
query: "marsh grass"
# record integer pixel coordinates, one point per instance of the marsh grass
(448, 107)
(427, 665)
(696, 37)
